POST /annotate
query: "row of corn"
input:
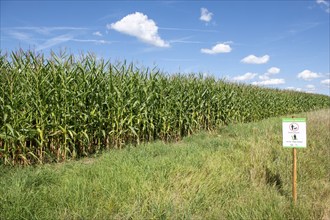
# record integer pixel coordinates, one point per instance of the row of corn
(63, 106)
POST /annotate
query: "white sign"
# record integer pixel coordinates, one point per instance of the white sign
(294, 132)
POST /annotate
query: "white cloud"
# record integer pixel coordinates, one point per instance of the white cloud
(273, 70)
(325, 4)
(139, 26)
(205, 15)
(326, 82)
(97, 33)
(270, 71)
(244, 77)
(252, 59)
(308, 75)
(269, 82)
(218, 48)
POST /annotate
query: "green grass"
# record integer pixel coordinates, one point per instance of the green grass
(240, 171)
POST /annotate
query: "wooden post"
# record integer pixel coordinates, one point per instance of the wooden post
(294, 176)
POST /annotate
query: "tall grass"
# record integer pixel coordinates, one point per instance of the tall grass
(59, 107)
(240, 171)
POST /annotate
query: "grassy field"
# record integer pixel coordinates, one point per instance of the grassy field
(240, 171)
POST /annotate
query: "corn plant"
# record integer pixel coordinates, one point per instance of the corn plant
(61, 107)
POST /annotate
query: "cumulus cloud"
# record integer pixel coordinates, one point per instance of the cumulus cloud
(97, 33)
(244, 77)
(326, 82)
(308, 75)
(140, 26)
(205, 15)
(270, 71)
(269, 82)
(273, 70)
(218, 48)
(252, 59)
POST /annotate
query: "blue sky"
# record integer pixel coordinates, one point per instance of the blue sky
(277, 44)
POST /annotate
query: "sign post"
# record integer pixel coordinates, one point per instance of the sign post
(294, 176)
(294, 136)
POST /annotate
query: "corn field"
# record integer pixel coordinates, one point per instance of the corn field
(61, 107)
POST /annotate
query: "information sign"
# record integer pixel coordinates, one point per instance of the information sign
(294, 132)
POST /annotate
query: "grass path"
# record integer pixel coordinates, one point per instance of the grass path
(238, 172)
